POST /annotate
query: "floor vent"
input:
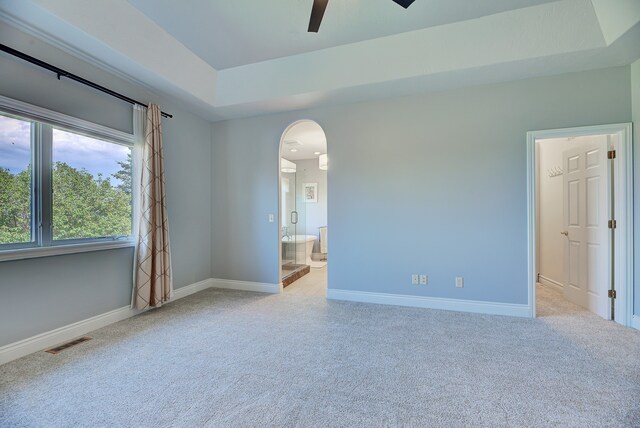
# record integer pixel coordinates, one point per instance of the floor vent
(67, 345)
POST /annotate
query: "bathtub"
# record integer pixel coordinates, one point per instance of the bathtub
(304, 246)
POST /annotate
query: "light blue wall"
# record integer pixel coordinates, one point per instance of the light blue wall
(430, 184)
(635, 95)
(42, 294)
(433, 184)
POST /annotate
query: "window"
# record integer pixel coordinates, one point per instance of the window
(63, 181)
(91, 181)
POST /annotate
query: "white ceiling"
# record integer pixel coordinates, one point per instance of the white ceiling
(366, 49)
(308, 138)
(231, 33)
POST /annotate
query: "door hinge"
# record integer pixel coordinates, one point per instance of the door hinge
(612, 294)
(611, 154)
(612, 224)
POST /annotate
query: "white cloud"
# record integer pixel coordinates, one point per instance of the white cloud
(82, 152)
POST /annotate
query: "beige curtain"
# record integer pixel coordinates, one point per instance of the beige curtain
(153, 284)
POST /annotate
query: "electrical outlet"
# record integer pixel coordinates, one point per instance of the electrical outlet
(424, 279)
(414, 279)
(459, 282)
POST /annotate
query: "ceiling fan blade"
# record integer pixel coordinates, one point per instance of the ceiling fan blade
(404, 3)
(317, 12)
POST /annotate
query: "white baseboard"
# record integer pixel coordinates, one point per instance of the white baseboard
(261, 287)
(48, 339)
(431, 302)
(635, 322)
(45, 340)
(191, 289)
(550, 282)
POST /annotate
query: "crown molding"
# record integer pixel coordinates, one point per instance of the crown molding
(49, 39)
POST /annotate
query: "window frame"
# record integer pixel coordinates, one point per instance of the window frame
(43, 122)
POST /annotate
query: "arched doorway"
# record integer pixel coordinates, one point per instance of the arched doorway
(302, 206)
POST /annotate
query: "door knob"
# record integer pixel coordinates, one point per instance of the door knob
(565, 233)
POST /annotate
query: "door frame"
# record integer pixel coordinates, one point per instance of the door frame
(279, 211)
(623, 191)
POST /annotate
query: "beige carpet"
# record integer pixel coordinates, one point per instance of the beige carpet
(226, 358)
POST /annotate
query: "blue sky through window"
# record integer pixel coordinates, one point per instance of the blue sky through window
(95, 156)
(15, 144)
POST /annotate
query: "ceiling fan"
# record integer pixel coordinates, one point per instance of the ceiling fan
(319, 6)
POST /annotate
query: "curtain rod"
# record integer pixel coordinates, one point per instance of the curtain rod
(63, 73)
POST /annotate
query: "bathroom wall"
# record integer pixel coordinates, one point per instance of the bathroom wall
(316, 213)
(433, 183)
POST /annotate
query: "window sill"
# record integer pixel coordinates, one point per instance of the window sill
(57, 250)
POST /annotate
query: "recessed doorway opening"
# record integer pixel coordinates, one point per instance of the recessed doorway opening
(580, 219)
(303, 237)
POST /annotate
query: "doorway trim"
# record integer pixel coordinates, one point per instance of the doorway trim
(623, 191)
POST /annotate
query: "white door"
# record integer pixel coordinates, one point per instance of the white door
(586, 208)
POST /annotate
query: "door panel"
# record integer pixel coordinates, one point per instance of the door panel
(593, 158)
(593, 201)
(585, 218)
(574, 264)
(573, 163)
(593, 252)
(573, 203)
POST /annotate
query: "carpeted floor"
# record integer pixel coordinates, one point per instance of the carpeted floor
(226, 358)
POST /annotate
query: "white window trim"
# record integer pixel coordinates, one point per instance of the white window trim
(51, 117)
(57, 250)
(54, 118)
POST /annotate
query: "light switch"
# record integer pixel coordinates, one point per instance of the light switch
(271, 218)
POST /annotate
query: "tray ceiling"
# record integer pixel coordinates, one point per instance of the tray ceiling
(227, 59)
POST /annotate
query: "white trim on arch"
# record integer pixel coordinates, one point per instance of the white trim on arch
(623, 207)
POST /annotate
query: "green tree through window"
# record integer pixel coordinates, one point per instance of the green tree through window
(124, 175)
(87, 206)
(15, 206)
